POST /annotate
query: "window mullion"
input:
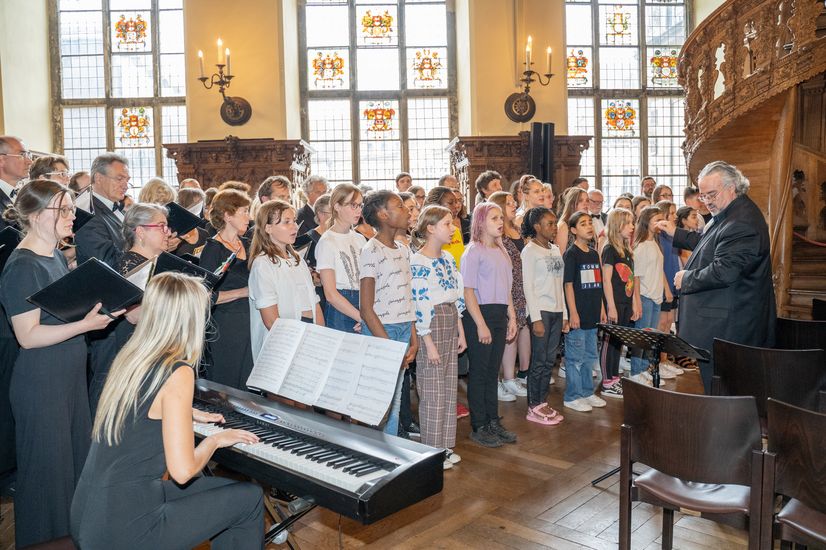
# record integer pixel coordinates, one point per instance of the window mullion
(355, 146)
(402, 120)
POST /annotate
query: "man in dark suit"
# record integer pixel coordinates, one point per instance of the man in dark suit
(102, 238)
(726, 287)
(314, 187)
(15, 161)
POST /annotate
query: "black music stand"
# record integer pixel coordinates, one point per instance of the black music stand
(653, 343)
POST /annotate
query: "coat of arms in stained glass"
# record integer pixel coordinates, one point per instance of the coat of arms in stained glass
(664, 67)
(377, 29)
(620, 118)
(134, 127)
(328, 70)
(131, 33)
(617, 26)
(379, 115)
(577, 68)
(427, 65)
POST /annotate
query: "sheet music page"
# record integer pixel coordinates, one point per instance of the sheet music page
(380, 364)
(311, 364)
(343, 378)
(140, 275)
(276, 355)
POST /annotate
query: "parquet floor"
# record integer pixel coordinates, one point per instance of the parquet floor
(535, 494)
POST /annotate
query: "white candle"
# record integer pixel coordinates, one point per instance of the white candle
(549, 61)
(201, 62)
(528, 53)
(229, 67)
(220, 52)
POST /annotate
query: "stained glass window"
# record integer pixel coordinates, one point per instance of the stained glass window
(122, 84)
(378, 92)
(623, 91)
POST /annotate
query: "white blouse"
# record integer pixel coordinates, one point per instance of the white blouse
(435, 281)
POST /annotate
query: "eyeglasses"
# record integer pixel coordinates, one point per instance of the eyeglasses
(65, 211)
(355, 205)
(324, 212)
(592, 201)
(162, 226)
(61, 173)
(119, 179)
(707, 197)
(22, 154)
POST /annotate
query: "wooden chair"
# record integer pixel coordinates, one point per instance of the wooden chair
(710, 461)
(818, 309)
(794, 376)
(800, 334)
(793, 468)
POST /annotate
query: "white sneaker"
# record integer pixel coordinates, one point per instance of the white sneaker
(642, 379)
(515, 388)
(452, 457)
(595, 401)
(666, 374)
(504, 395)
(671, 367)
(595, 373)
(522, 381)
(447, 465)
(561, 373)
(578, 405)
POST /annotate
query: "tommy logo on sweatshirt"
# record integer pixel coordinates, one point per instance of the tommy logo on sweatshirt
(590, 276)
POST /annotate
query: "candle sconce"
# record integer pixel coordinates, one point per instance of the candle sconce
(235, 111)
(520, 106)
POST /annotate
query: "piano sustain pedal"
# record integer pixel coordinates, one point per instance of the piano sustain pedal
(299, 505)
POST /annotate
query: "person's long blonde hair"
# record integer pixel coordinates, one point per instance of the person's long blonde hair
(174, 314)
(617, 219)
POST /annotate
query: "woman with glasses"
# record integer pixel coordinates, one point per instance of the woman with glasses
(48, 384)
(51, 167)
(337, 259)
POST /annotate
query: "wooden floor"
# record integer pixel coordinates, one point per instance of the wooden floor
(534, 494)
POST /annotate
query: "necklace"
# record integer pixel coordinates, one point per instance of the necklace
(234, 248)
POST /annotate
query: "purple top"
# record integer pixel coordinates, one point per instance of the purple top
(488, 272)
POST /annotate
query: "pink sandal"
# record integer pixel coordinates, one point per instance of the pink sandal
(539, 415)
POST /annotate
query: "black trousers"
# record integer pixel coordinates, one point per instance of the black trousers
(8, 354)
(485, 359)
(612, 348)
(543, 356)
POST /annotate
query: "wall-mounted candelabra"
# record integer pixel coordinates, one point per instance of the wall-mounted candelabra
(235, 111)
(520, 106)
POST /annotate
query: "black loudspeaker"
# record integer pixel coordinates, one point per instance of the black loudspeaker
(535, 150)
(548, 153)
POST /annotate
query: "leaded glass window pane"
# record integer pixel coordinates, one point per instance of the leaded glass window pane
(377, 25)
(132, 76)
(329, 123)
(427, 68)
(378, 69)
(325, 26)
(131, 32)
(328, 69)
(619, 68)
(618, 25)
(426, 25)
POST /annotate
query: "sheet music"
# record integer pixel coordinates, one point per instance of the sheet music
(343, 378)
(276, 355)
(140, 275)
(311, 364)
(380, 365)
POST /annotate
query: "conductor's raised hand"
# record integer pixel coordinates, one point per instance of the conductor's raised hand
(667, 227)
(228, 438)
(95, 320)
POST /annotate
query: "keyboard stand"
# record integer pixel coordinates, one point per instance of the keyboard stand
(278, 533)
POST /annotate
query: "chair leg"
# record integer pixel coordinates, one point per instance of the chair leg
(668, 529)
(625, 489)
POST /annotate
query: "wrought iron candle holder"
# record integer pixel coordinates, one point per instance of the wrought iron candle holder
(520, 106)
(235, 111)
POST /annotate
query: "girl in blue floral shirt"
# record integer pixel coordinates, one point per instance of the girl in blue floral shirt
(438, 299)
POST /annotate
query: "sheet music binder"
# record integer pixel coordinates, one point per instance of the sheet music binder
(9, 239)
(85, 209)
(72, 296)
(169, 262)
(181, 220)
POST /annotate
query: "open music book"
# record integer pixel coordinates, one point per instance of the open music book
(346, 373)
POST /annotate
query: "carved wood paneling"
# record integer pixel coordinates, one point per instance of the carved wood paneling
(508, 155)
(251, 161)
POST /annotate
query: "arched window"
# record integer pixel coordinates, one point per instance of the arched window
(623, 91)
(378, 88)
(121, 82)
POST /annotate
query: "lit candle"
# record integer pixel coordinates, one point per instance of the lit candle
(549, 61)
(201, 62)
(528, 53)
(220, 52)
(229, 67)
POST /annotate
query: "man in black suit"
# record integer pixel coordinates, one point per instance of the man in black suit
(15, 161)
(314, 187)
(102, 238)
(726, 287)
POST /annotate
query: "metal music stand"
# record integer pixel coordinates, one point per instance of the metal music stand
(653, 342)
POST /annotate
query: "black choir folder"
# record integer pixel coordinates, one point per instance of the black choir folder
(181, 220)
(169, 262)
(72, 296)
(346, 373)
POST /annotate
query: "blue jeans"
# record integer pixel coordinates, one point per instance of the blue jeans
(649, 319)
(580, 357)
(335, 319)
(398, 332)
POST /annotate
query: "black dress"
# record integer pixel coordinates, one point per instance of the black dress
(122, 502)
(192, 248)
(229, 358)
(50, 406)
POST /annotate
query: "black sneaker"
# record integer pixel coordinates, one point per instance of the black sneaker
(486, 438)
(499, 431)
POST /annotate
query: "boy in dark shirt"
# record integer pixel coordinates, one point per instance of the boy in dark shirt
(583, 294)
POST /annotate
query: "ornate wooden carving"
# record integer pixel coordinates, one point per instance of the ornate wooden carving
(508, 155)
(769, 48)
(249, 160)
